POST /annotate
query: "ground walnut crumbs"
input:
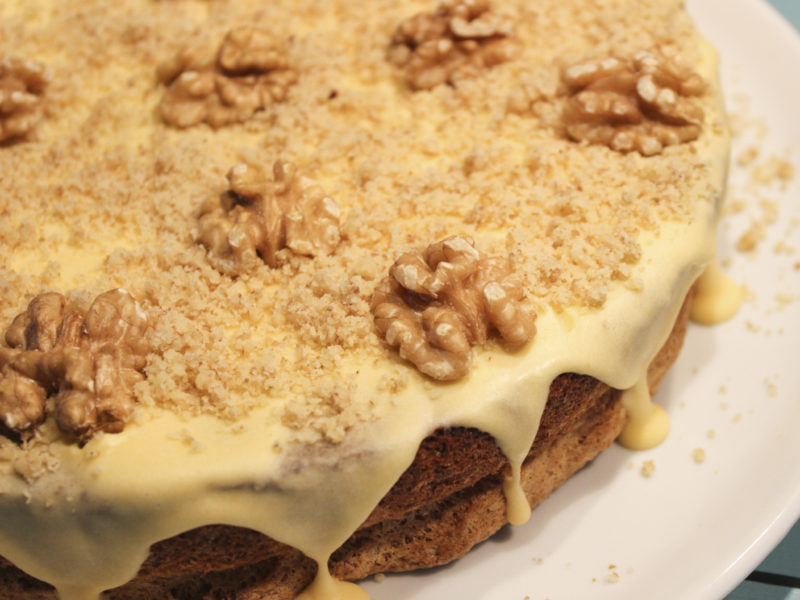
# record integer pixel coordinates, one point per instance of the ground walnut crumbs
(113, 199)
(435, 305)
(459, 38)
(257, 217)
(249, 71)
(88, 364)
(22, 86)
(641, 104)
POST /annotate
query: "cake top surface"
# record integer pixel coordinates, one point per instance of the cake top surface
(106, 194)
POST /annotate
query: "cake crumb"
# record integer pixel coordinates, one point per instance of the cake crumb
(648, 468)
(185, 437)
(379, 577)
(773, 169)
(747, 157)
(699, 455)
(785, 300)
(749, 240)
(612, 577)
(711, 434)
(769, 210)
(783, 248)
(772, 388)
(35, 463)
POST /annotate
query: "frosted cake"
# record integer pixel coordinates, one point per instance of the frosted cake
(285, 287)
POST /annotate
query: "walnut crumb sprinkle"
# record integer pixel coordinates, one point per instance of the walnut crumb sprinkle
(22, 87)
(458, 39)
(641, 104)
(437, 303)
(258, 217)
(87, 364)
(249, 71)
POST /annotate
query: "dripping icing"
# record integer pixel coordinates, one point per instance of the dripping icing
(717, 297)
(648, 423)
(518, 509)
(325, 587)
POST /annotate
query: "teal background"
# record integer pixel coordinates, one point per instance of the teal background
(789, 9)
(785, 559)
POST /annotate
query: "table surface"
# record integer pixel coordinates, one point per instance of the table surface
(778, 577)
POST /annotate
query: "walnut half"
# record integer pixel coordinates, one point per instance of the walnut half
(460, 38)
(22, 86)
(438, 303)
(258, 217)
(87, 364)
(249, 71)
(643, 104)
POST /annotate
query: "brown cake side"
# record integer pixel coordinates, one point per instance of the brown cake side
(448, 500)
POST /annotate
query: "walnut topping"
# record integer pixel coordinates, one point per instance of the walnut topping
(249, 71)
(435, 305)
(88, 364)
(22, 85)
(459, 38)
(258, 217)
(641, 104)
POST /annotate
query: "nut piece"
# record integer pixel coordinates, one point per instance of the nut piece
(88, 364)
(249, 72)
(258, 217)
(642, 104)
(459, 39)
(22, 86)
(435, 305)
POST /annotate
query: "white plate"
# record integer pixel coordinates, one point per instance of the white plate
(690, 531)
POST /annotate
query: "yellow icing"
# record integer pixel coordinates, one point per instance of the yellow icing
(518, 509)
(196, 488)
(648, 423)
(717, 296)
(325, 587)
(88, 526)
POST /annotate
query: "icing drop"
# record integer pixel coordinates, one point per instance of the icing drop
(718, 297)
(325, 587)
(78, 592)
(648, 423)
(518, 509)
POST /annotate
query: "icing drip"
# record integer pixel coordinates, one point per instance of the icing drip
(518, 509)
(648, 423)
(325, 587)
(717, 297)
(78, 592)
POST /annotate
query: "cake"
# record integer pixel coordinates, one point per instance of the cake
(298, 292)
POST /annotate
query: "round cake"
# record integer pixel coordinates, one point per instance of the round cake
(297, 292)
